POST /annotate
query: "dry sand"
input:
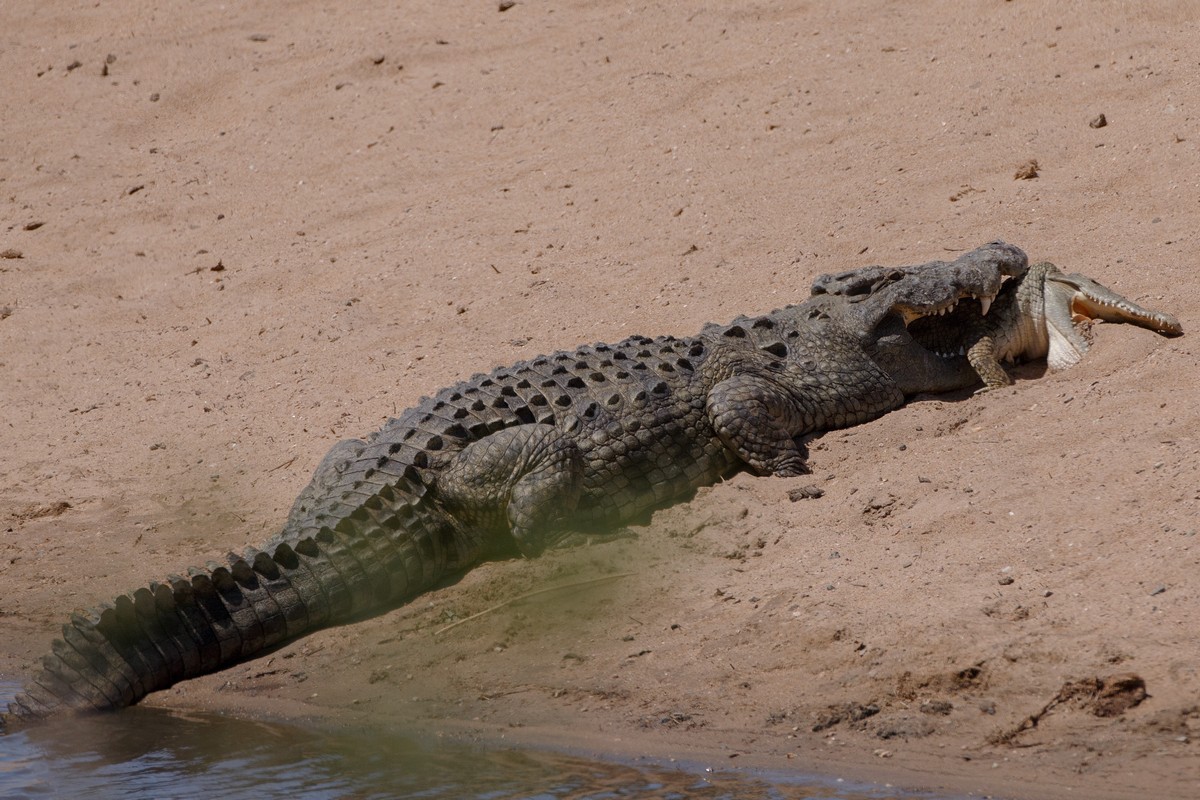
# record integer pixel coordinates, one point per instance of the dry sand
(247, 231)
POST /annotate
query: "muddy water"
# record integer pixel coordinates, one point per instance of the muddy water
(150, 753)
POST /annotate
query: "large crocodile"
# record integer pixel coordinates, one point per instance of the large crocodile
(1042, 314)
(528, 456)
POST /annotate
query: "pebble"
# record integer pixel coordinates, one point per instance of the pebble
(1027, 171)
(806, 493)
(1005, 580)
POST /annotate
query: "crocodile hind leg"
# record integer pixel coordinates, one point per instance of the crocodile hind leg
(527, 478)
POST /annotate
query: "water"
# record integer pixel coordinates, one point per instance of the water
(151, 753)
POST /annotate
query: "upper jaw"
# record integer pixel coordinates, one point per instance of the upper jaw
(931, 285)
(935, 289)
(910, 312)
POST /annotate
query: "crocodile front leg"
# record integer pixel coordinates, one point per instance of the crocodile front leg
(982, 354)
(755, 417)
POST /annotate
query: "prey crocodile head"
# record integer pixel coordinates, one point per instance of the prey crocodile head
(1043, 314)
(880, 303)
(1072, 300)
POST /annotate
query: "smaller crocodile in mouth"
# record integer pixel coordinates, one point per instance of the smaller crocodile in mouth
(1044, 313)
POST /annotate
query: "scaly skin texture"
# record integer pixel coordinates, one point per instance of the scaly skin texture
(527, 456)
(1042, 314)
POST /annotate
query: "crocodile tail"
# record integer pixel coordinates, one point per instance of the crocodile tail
(183, 627)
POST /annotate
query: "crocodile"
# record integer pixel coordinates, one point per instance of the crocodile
(1044, 313)
(521, 459)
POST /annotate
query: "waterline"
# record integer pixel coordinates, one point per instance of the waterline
(152, 753)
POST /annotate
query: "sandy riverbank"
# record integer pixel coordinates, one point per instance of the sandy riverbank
(245, 235)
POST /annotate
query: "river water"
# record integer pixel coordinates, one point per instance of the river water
(151, 753)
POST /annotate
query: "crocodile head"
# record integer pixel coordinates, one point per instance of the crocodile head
(878, 304)
(1070, 301)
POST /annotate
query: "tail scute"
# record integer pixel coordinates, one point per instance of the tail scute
(83, 673)
(156, 608)
(228, 614)
(83, 634)
(59, 680)
(147, 627)
(292, 610)
(119, 624)
(249, 592)
(193, 618)
(307, 584)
